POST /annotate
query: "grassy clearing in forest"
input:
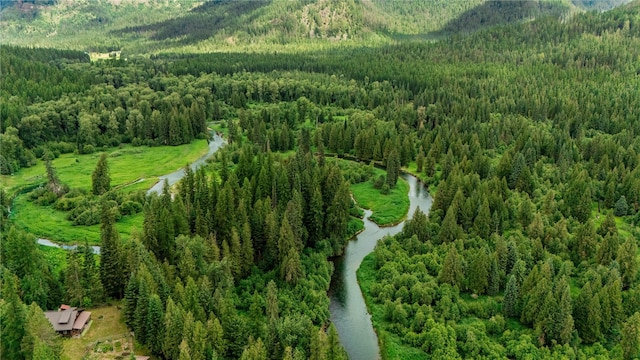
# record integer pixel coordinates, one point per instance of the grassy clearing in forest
(387, 209)
(106, 323)
(52, 224)
(126, 165)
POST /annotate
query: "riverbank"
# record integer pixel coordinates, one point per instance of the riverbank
(348, 307)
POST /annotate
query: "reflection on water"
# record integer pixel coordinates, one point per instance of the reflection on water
(348, 310)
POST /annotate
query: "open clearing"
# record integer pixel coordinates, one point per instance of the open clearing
(107, 331)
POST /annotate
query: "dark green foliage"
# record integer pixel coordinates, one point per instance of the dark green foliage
(100, 179)
(621, 207)
(112, 266)
(13, 318)
(511, 296)
(631, 337)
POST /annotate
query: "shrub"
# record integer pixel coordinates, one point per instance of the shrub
(129, 207)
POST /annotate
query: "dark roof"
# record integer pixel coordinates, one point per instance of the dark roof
(68, 319)
(61, 320)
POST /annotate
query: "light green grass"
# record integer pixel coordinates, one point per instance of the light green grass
(55, 257)
(387, 209)
(126, 165)
(107, 323)
(52, 224)
(391, 347)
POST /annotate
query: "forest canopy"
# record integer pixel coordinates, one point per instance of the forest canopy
(527, 135)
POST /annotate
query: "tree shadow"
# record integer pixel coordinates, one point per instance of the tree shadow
(201, 22)
(492, 13)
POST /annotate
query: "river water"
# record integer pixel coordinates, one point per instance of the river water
(215, 143)
(348, 309)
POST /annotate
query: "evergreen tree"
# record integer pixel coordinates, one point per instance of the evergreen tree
(608, 250)
(13, 318)
(111, 264)
(452, 269)
(479, 272)
(91, 276)
(631, 337)
(174, 328)
(621, 207)
(155, 324)
(585, 240)
(628, 262)
(40, 336)
(482, 222)
(511, 296)
(73, 280)
(587, 314)
(393, 168)
(100, 179)
(563, 321)
(450, 230)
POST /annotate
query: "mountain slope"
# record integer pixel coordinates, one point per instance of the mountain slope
(152, 26)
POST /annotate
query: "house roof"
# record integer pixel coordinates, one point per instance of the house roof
(81, 320)
(64, 307)
(68, 319)
(61, 320)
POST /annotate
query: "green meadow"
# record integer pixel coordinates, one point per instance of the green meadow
(127, 164)
(131, 168)
(387, 209)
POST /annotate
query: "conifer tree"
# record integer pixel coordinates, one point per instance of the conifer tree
(40, 334)
(621, 207)
(608, 249)
(452, 269)
(587, 314)
(450, 230)
(585, 241)
(174, 328)
(155, 324)
(393, 168)
(563, 323)
(511, 295)
(14, 318)
(628, 262)
(482, 222)
(111, 264)
(100, 179)
(631, 337)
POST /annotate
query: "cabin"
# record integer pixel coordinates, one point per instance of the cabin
(68, 321)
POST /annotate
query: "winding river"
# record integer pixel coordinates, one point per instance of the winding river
(348, 309)
(215, 143)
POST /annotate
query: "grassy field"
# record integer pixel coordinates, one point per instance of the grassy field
(126, 165)
(107, 324)
(391, 347)
(131, 168)
(387, 209)
(52, 224)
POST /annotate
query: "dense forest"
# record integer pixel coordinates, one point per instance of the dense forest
(526, 134)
